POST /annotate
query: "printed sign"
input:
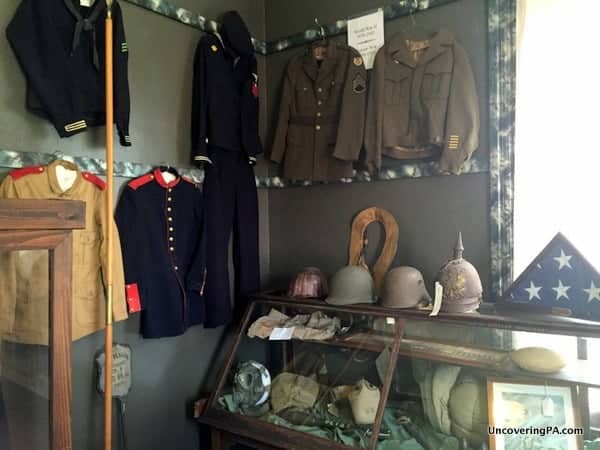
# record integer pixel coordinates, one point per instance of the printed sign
(281, 334)
(365, 34)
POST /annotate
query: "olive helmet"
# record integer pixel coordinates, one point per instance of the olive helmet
(351, 285)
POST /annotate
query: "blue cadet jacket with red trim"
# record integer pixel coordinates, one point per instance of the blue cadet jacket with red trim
(60, 47)
(161, 226)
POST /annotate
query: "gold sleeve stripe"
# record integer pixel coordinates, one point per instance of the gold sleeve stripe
(76, 126)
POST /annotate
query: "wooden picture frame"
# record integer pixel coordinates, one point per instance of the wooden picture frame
(526, 397)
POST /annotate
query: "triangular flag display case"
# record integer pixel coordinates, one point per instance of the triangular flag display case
(560, 276)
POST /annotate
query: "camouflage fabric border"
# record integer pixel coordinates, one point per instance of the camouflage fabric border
(395, 10)
(187, 17)
(123, 169)
(502, 65)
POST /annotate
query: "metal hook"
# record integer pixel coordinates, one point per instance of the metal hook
(413, 10)
(321, 29)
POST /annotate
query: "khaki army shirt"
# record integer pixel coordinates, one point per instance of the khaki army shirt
(320, 126)
(24, 275)
(422, 103)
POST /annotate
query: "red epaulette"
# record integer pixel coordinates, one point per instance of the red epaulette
(139, 182)
(189, 180)
(20, 173)
(94, 180)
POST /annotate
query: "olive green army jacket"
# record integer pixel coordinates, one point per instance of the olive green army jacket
(24, 297)
(422, 103)
(320, 127)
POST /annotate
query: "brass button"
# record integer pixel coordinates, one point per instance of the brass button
(169, 209)
(171, 239)
(170, 189)
(176, 268)
(170, 219)
(318, 114)
(318, 127)
(172, 249)
(171, 229)
(319, 102)
(319, 90)
(169, 199)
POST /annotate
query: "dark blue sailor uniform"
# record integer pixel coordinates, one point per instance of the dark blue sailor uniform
(161, 226)
(225, 141)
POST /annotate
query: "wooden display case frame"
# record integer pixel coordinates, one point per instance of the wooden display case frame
(48, 225)
(229, 428)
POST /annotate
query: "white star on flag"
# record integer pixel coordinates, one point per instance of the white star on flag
(593, 292)
(533, 291)
(563, 260)
(561, 290)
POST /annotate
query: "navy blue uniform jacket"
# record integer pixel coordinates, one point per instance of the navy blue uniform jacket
(225, 93)
(161, 229)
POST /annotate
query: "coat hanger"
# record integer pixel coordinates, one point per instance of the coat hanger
(166, 167)
(418, 40)
(319, 48)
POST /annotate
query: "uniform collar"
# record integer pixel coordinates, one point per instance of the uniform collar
(311, 66)
(53, 180)
(438, 43)
(161, 181)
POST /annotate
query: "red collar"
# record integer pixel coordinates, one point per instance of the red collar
(160, 180)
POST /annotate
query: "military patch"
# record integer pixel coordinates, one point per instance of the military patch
(214, 48)
(454, 142)
(124, 47)
(357, 61)
(75, 126)
(358, 84)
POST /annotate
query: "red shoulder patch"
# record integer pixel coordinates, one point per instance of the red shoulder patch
(20, 173)
(94, 180)
(189, 180)
(138, 182)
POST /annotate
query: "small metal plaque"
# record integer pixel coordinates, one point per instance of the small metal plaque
(121, 371)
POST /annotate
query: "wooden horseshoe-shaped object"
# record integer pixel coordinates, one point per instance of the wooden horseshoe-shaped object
(358, 242)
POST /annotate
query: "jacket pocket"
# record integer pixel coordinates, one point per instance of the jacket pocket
(436, 83)
(396, 89)
(88, 280)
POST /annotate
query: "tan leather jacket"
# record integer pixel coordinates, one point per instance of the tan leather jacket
(422, 103)
(24, 275)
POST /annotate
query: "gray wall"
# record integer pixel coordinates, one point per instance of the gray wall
(299, 226)
(168, 373)
(311, 226)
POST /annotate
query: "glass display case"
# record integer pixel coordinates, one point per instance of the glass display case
(35, 322)
(303, 374)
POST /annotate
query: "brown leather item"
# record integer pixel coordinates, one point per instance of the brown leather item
(308, 283)
(358, 242)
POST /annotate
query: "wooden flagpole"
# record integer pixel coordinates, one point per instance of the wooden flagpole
(108, 341)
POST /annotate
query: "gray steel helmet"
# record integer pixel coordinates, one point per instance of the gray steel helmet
(404, 287)
(351, 285)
